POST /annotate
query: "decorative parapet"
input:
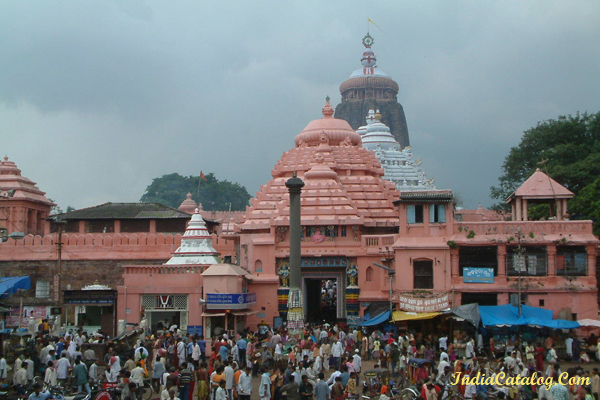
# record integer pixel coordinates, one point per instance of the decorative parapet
(527, 228)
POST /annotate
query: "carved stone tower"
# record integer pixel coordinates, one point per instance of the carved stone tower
(371, 88)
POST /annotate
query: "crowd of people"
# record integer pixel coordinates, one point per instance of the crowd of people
(321, 363)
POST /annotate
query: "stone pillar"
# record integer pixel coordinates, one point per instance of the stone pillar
(551, 254)
(592, 253)
(117, 226)
(501, 261)
(524, 203)
(564, 207)
(559, 212)
(518, 204)
(152, 226)
(82, 227)
(295, 186)
(513, 209)
(454, 266)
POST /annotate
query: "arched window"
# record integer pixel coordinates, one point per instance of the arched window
(369, 274)
(258, 266)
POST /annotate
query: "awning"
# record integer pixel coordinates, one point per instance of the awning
(469, 312)
(10, 285)
(589, 322)
(381, 318)
(412, 316)
(213, 314)
(508, 315)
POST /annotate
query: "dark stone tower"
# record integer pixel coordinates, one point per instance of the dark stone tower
(371, 88)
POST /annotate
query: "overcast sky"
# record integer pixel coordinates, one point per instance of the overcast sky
(99, 97)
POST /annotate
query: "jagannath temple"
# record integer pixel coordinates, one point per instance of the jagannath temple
(369, 87)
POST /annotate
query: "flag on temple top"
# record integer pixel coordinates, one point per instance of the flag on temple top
(371, 21)
(202, 175)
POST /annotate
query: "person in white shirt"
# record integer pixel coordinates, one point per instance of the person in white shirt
(62, 368)
(443, 342)
(357, 361)
(264, 390)
(115, 366)
(137, 375)
(244, 388)
(93, 372)
(196, 353)
(228, 380)
(336, 352)
(164, 394)
(334, 375)
(50, 375)
(221, 393)
(3, 370)
(470, 352)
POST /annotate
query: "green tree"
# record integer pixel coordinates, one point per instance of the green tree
(567, 149)
(215, 195)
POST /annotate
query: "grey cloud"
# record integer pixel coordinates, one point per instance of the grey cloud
(97, 98)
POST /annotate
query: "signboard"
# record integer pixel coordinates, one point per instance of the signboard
(277, 323)
(39, 312)
(423, 304)
(353, 320)
(478, 275)
(90, 297)
(229, 301)
(195, 330)
(56, 287)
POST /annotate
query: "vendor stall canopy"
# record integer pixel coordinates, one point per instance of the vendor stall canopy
(508, 315)
(12, 285)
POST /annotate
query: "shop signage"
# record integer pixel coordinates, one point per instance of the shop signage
(229, 301)
(195, 330)
(478, 275)
(90, 297)
(353, 320)
(423, 304)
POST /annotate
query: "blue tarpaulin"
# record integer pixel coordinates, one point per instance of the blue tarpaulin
(508, 315)
(383, 317)
(10, 285)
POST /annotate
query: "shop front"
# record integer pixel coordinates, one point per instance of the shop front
(227, 303)
(165, 310)
(94, 308)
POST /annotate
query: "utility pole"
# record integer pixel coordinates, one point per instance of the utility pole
(522, 266)
(59, 245)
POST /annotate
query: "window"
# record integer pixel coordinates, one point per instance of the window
(541, 302)
(571, 261)
(258, 266)
(343, 229)
(478, 257)
(414, 213)
(437, 213)
(42, 290)
(529, 261)
(423, 272)
(369, 274)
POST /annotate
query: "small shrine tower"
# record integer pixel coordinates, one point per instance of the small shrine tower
(540, 188)
(23, 207)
